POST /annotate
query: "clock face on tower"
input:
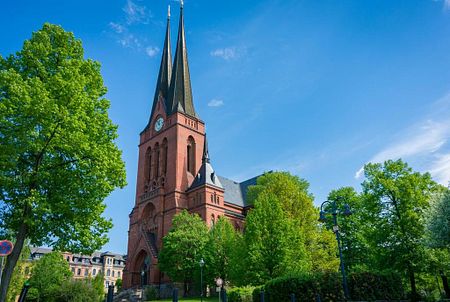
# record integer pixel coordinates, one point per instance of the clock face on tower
(159, 123)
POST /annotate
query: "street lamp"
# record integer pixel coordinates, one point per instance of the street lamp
(323, 218)
(202, 263)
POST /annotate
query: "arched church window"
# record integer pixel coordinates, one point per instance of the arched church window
(164, 156)
(191, 155)
(213, 220)
(157, 160)
(148, 165)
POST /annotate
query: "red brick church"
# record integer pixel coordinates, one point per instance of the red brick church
(174, 170)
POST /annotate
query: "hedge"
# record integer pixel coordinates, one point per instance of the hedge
(306, 287)
(240, 294)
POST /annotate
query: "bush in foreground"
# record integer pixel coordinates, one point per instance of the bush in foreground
(241, 294)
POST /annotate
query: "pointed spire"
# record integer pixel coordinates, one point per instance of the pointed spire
(180, 92)
(165, 70)
(205, 158)
(206, 174)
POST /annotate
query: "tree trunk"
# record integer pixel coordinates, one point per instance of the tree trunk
(185, 289)
(445, 284)
(412, 280)
(11, 261)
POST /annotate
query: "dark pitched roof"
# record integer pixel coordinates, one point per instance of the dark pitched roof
(235, 192)
(165, 72)
(180, 91)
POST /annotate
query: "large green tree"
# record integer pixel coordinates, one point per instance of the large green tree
(351, 228)
(395, 201)
(183, 247)
(223, 240)
(58, 158)
(285, 220)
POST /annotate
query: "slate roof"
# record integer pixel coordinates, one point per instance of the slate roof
(235, 192)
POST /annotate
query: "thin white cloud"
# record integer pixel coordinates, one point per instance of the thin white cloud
(118, 28)
(152, 51)
(440, 168)
(424, 142)
(227, 53)
(215, 103)
(136, 13)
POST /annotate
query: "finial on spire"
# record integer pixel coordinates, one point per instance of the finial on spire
(168, 12)
(182, 3)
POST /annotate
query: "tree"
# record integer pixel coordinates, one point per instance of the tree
(438, 220)
(183, 247)
(58, 158)
(79, 291)
(48, 276)
(395, 200)
(312, 243)
(223, 240)
(351, 228)
(266, 236)
(19, 275)
(438, 235)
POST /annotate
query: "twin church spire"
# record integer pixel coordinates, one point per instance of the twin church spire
(174, 81)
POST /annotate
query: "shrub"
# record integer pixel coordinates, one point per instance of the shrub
(150, 293)
(240, 294)
(305, 287)
(370, 287)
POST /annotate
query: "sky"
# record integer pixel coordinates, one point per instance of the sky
(316, 88)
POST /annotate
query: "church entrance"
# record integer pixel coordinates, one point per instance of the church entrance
(142, 269)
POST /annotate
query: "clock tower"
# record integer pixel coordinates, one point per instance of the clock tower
(174, 170)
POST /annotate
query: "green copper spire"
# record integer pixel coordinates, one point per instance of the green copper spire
(180, 92)
(165, 70)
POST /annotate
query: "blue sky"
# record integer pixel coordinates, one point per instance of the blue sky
(317, 88)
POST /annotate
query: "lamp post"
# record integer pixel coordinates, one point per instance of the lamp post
(323, 218)
(202, 263)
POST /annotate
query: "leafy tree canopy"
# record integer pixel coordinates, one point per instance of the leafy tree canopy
(183, 247)
(58, 158)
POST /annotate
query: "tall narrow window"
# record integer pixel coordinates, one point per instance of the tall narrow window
(156, 165)
(190, 154)
(164, 157)
(148, 165)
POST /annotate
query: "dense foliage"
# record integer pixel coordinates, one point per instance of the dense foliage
(51, 281)
(241, 294)
(282, 233)
(58, 157)
(183, 247)
(328, 286)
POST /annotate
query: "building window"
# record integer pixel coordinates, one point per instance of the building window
(118, 274)
(113, 273)
(86, 272)
(108, 272)
(190, 155)
(68, 258)
(79, 272)
(164, 157)
(157, 152)
(94, 271)
(148, 165)
(213, 220)
(106, 283)
(73, 270)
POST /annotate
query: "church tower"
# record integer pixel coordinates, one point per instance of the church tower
(174, 169)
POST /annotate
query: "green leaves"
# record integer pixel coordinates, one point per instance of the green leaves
(183, 247)
(57, 150)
